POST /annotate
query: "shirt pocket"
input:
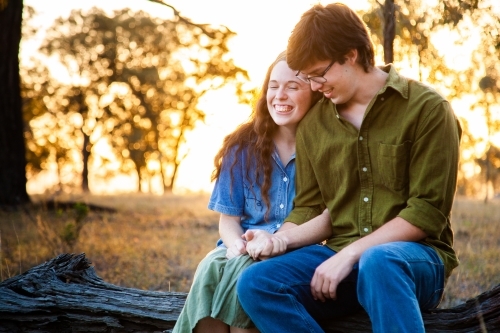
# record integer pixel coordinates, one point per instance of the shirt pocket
(393, 163)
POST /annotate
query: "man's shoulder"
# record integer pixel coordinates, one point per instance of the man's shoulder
(411, 88)
(315, 118)
(317, 110)
(418, 89)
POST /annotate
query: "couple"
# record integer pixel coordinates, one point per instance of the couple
(379, 151)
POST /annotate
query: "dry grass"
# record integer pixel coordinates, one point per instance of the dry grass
(155, 242)
(477, 242)
(150, 242)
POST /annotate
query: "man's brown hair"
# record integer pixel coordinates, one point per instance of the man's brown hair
(329, 33)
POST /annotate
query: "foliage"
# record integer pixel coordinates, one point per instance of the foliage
(134, 82)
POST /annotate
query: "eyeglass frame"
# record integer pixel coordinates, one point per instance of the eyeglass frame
(315, 78)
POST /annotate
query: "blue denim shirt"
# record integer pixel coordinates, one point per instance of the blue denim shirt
(237, 196)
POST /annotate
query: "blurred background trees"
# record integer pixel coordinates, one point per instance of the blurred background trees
(132, 83)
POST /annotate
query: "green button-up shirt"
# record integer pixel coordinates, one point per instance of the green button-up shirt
(402, 162)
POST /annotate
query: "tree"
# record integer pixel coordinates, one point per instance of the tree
(405, 28)
(482, 80)
(139, 80)
(12, 148)
(489, 164)
(389, 19)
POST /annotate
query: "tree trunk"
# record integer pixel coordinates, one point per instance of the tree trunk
(65, 295)
(12, 148)
(389, 11)
(85, 159)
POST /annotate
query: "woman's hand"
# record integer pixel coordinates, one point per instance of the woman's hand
(262, 245)
(237, 249)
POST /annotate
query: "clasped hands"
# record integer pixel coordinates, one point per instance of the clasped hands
(259, 244)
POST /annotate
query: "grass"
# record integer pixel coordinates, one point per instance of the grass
(155, 242)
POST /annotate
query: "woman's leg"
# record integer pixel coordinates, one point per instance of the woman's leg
(396, 281)
(198, 305)
(243, 330)
(210, 325)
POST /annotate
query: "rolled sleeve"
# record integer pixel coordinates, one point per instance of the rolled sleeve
(228, 194)
(425, 216)
(300, 215)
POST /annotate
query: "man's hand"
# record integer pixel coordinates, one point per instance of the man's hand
(262, 245)
(328, 275)
(238, 248)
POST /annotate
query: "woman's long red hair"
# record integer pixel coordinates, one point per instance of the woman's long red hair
(256, 134)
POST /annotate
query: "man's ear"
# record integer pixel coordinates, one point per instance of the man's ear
(351, 56)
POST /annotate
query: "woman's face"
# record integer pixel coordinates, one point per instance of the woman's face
(288, 98)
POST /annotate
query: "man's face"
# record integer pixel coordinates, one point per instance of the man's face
(340, 80)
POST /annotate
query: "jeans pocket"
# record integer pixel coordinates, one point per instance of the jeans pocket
(434, 300)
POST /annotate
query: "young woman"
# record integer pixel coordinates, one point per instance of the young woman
(254, 189)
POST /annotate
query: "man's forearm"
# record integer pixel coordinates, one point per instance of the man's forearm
(313, 231)
(395, 230)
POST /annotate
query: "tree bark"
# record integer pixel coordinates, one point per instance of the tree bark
(389, 13)
(65, 295)
(85, 159)
(12, 147)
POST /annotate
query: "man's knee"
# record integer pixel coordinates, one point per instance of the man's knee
(246, 284)
(377, 260)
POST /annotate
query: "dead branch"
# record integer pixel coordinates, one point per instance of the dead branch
(65, 295)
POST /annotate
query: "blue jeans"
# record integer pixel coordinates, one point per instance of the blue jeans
(393, 282)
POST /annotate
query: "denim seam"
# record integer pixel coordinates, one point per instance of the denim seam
(294, 302)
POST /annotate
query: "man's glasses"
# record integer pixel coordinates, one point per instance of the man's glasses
(316, 78)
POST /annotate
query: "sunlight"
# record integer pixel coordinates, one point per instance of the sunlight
(262, 29)
(456, 47)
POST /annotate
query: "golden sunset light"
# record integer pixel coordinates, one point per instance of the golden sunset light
(262, 29)
(167, 165)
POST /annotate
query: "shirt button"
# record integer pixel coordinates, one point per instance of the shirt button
(285, 179)
(382, 99)
(365, 169)
(279, 225)
(365, 229)
(365, 199)
(360, 138)
(281, 206)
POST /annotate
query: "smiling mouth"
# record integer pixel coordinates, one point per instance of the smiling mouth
(283, 108)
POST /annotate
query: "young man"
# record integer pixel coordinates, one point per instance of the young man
(381, 152)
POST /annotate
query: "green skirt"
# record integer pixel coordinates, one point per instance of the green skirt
(213, 293)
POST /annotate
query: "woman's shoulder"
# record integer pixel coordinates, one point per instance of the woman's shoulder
(236, 154)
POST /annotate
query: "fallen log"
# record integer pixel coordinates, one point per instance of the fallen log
(65, 295)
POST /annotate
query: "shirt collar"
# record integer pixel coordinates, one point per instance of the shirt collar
(395, 81)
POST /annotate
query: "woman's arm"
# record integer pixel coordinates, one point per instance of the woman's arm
(230, 231)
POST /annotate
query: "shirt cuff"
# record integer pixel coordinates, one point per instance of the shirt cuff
(425, 216)
(300, 215)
